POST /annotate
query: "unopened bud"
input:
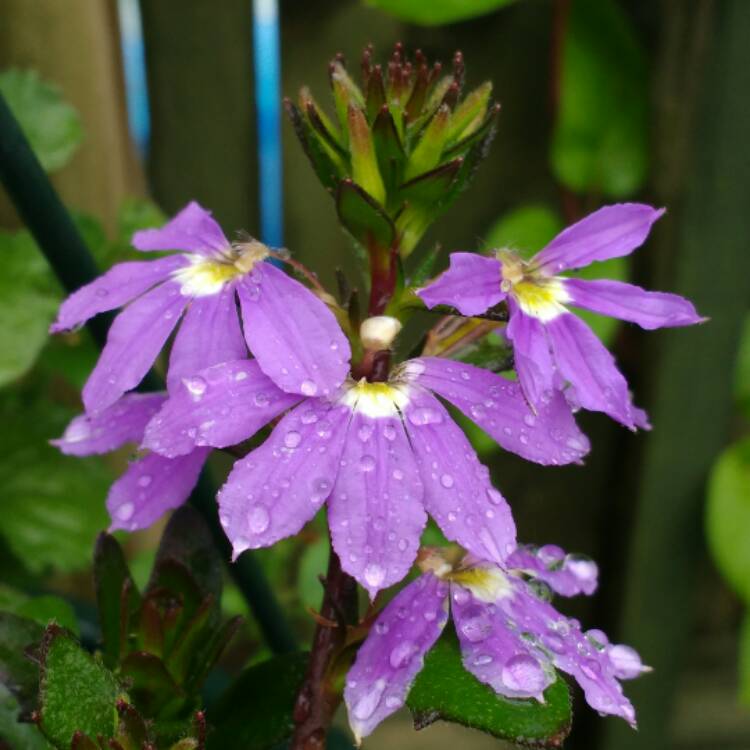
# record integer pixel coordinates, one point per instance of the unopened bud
(379, 332)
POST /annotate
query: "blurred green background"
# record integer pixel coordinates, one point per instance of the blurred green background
(603, 100)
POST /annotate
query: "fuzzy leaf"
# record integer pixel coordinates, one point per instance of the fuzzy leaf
(255, 713)
(445, 690)
(76, 692)
(728, 516)
(52, 126)
(437, 12)
(600, 143)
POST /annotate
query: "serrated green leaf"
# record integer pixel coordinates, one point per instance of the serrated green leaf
(52, 126)
(728, 516)
(76, 692)
(16, 734)
(255, 713)
(437, 12)
(600, 143)
(41, 609)
(445, 690)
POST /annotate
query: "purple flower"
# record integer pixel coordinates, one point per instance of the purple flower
(380, 454)
(152, 484)
(292, 334)
(511, 638)
(552, 346)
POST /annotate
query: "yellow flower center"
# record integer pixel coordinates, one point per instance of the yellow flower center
(375, 400)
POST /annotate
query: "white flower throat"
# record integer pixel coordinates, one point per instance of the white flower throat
(207, 275)
(542, 297)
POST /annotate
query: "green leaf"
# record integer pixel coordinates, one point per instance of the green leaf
(526, 229)
(76, 692)
(41, 609)
(17, 671)
(744, 661)
(312, 564)
(728, 516)
(445, 690)
(28, 300)
(53, 505)
(363, 217)
(13, 733)
(52, 126)
(255, 713)
(437, 12)
(600, 143)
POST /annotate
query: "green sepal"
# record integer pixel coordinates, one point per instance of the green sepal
(76, 691)
(346, 94)
(325, 166)
(255, 712)
(376, 98)
(426, 154)
(471, 110)
(445, 690)
(117, 597)
(362, 217)
(365, 170)
(431, 186)
(389, 149)
(474, 136)
(317, 123)
(132, 731)
(150, 686)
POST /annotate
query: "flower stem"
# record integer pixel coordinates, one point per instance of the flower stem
(49, 222)
(318, 697)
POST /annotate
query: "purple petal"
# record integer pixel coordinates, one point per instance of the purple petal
(495, 653)
(471, 284)
(115, 288)
(219, 406)
(567, 575)
(588, 366)
(375, 512)
(133, 343)
(649, 310)
(151, 486)
(610, 232)
(531, 354)
(584, 656)
(123, 422)
(209, 334)
(497, 405)
(393, 653)
(193, 230)
(275, 490)
(293, 335)
(457, 490)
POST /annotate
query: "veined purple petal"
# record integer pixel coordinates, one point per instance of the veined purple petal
(123, 422)
(457, 490)
(209, 334)
(610, 232)
(497, 405)
(471, 284)
(151, 486)
(393, 653)
(375, 512)
(193, 230)
(134, 340)
(495, 653)
(115, 288)
(219, 406)
(275, 490)
(588, 366)
(293, 335)
(584, 656)
(567, 575)
(649, 310)
(531, 354)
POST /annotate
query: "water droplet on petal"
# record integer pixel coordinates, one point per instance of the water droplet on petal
(447, 481)
(366, 706)
(196, 386)
(374, 575)
(425, 415)
(524, 673)
(292, 439)
(494, 496)
(260, 399)
(477, 625)
(125, 511)
(389, 432)
(100, 292)
(402, 653)
(364, 433)
(257, 519)
(482, 660)
(308, 388)
(529, 420)
(626, 661)
(398, 474)
(554, 643)
(367, 463)
(393, 702)
(240, 376)
(145, 480)
(381, 628)
(309, 417)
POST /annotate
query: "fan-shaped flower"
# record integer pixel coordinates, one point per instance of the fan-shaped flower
(380, 453)
(511, 638)
(291, 332)
(552, 346)
(152, 484)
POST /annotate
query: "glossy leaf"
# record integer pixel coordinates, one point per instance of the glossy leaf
(437, 12)
(445, 690)
(600, 143)
(76, 692)
(52, 126)
(728, 516)
(255, 713)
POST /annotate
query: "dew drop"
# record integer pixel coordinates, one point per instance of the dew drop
(374, 575)
(524, 673)
(102, 292)
(398, 474)
(529, 420)
(196, 386)
(257, 519)
(381, 628)
(393, 702)
(309, 417)
(367, 463)
(494, 496)
(261, 399)
(403, 544)
(145, 480)
(402, 654)
(389, 432)
(364, 433)
(125, 511)
(424, 415)
(482, 660)
(308, 388)
(554, 643)
(447, 481)
(240, 376)
(366, 706)
(292, 439)
(477, 625)
(477, 411)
